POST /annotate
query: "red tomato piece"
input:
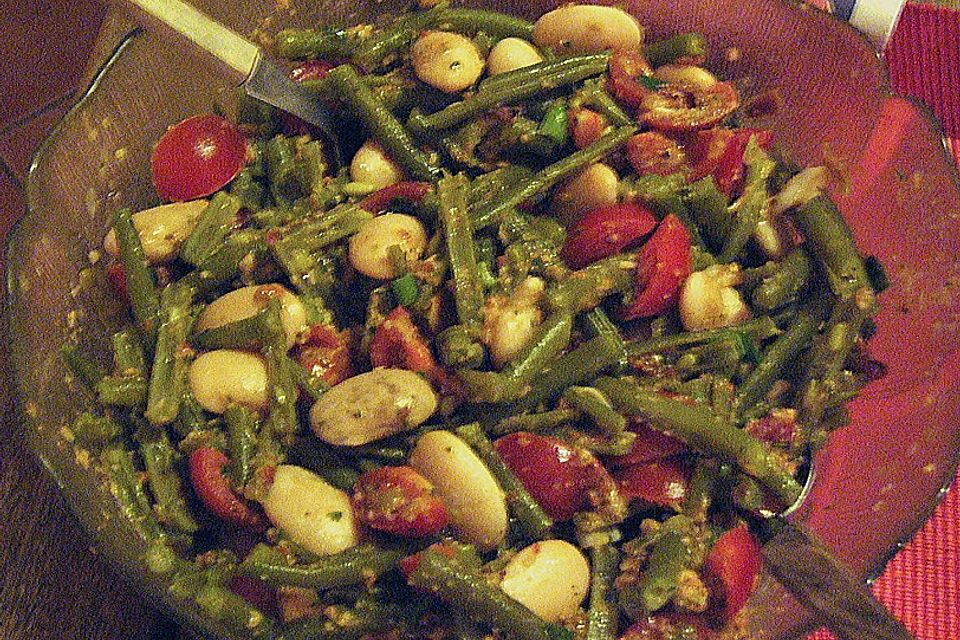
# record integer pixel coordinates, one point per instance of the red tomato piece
(400, 501)
(586, 126)
(663, 482)
(719, 152)
(779, 428)
(196, 157)
(731, 569)
(310, 70)
(325, 353)
(648, 446)
(215, 492)
(118, 281)
(669, 626)
(411, 563)
(654, 153)
(606, 230)
(686, 108)
(380, 200)
(663, 266)
(399, 343)
(626, 66)
(558, 476)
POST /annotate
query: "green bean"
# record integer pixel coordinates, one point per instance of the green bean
(122, 391)
(339, 623)
(599, 323)
(705, 431)
(85, 369)
(504, 92)
(602, 611)
(619, 444)
(546, 68)
(468, 293)
(759, 328)
(382, 124)
(785, 283)
(212, 229)
(280, 154)
(318, 457)
(396, 38)
(242, 441)
(254, 332)
(490, 212)
(282, 372)
(827, 235)
(577, 366)
(141, 284)
(594, 95)
(355, 565)
(701, 490)
(128, 356)
(554, 125)
(680, 46)
(161, 461)
(248, 190)
(167, 376)
(584, 289)
(223, 264)
(779, 356)
(325, 44)
(499, 25)
(91, 430)
(597, 407)
(656, 191)
(721, 356)
(294, 245)
(190, 418)
(460, 347)
(126, 488)
(225, 606)
(661, 576)
(750, 205)
(533, 521)
(708, 207)
(546, 421)
(471, 593)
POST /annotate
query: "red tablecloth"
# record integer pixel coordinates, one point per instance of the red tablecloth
(921, 585)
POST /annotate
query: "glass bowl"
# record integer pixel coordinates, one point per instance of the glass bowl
(877, 480)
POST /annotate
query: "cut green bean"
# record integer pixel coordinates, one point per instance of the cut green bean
(705, 431)
(759, 329)
(597, 407)
(533, 521)
(602, 612)
(242, 441)
(468, 292)
(254, 332)
(382, 124)
(139, 278)
(225, 606)
(577, 366)
(85, 369)
(122, 391)
(161, 461)
(128, 356)
(355, 565)
(829, 239)
(126, 488)
(586, 288)
(681, 46)
(212, 229)
(661, 576)
(168, 374)
(546, 421)
(750, 205)
(325, 44)
(494, 23)
(785, 283)
(91, 430)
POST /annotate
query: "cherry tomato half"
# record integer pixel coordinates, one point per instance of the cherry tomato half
(399, 343)
(626, 66)
(606, 230)
(732, 568)
(662, 482)
(649, 445)
(196, 157)
(719, 152)
(325, 353)
(586, 126)
(654, 153)
(215, 492)
(663, 266)
(400, 501)
(682, 108)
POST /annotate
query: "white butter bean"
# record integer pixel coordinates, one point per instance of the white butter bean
(508, 329)
(591, 187)
(372, 165)
(447, 61)
(551, 578)
(587, 27)
(510, 54)
(220, 378)
(249, 301)
(371, 406)
(315, 514)
(685, 74)
(474, 500)
(370, 246)
(708, 299)
(161, 229)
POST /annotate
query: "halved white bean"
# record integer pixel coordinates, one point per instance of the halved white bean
(509, 328)
(551, 578)
(315, 514)
(593, 186)
(223, 377)
(447, 61)
(371, 165)
(587, 27)
(474, 500)
(686, 74)
(248, 301)
(371, 406)
(510, 54)
(708, 299)
(161, 229)
(370, 246)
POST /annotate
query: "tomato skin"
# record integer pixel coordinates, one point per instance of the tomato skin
(586, 126)
(215, 492)
(325, 352)
(732, 569)
(406, 190)
(605, 231)
(663, 265)
(662, 482)
(649, 445)
(654, 153)
(626, 65)
(667, 109)
(398, 500)
(197, 157)
(558, 476)
(719, 152)
(314, 69)
(399, 343)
